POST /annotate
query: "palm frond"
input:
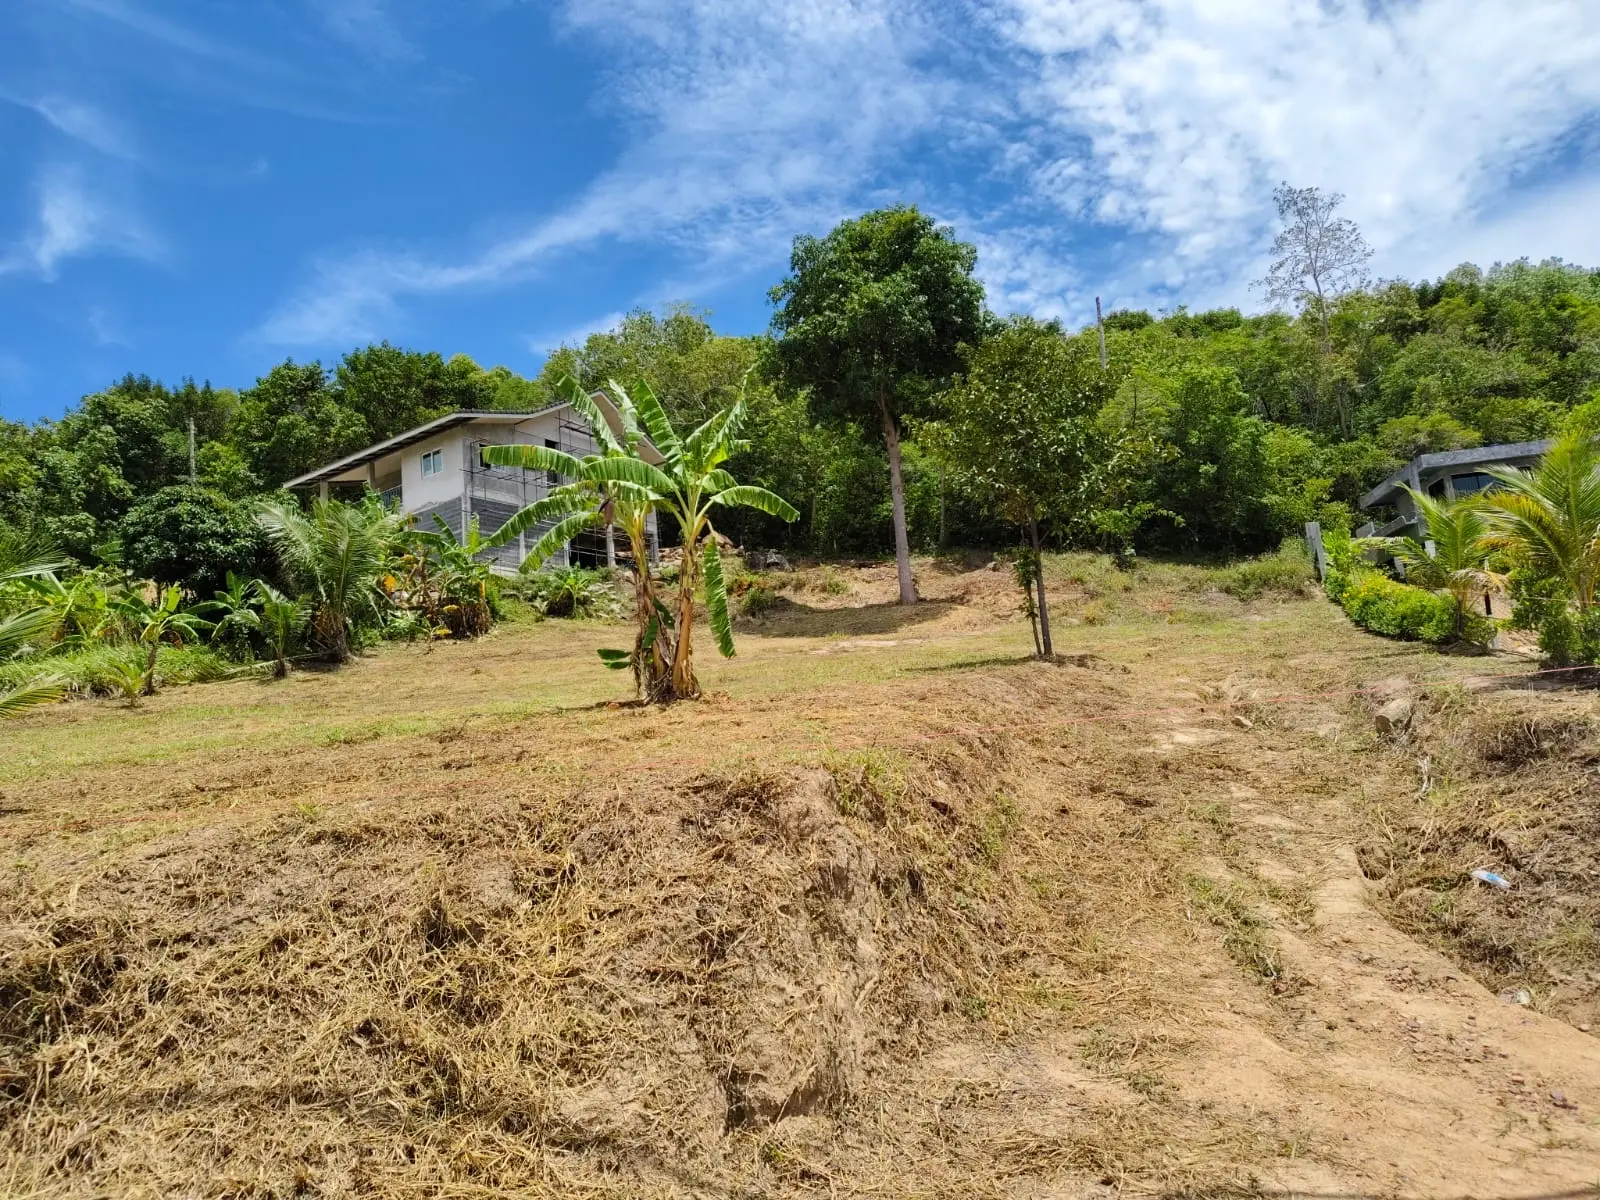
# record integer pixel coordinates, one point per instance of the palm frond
(633, 471)
(656, 423)
(534, 458)
(561, 503)
(26, 628)
(560, 534)
(30, 695)
(570, 390)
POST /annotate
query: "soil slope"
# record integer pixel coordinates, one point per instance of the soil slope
(895, 913)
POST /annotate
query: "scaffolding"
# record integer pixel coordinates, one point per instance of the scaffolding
(495, 494)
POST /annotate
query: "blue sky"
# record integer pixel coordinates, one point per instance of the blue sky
(205, 187)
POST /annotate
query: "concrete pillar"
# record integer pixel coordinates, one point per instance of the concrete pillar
(322, 490)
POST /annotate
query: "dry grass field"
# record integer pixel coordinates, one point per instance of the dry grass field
(894, 912)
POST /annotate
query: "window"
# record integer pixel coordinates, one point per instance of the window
(552, 478)
(433, 463)
(1436, 489)
(1477, 481)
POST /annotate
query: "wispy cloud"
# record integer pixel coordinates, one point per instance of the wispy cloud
(749, 121)
(160, 28)
(1176, 117)
(1127, 147)
(370, 26)
(548, 340)
(82, 121)
(73, 222)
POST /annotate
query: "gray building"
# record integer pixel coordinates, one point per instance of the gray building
(1447, 475)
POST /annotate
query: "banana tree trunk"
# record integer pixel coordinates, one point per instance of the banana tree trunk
(897, 497)
(684, 685)
(149, 688)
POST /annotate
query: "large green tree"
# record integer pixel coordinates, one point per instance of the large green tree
(870, 325)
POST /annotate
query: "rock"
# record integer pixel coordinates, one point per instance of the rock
(1559, 1099)
(777, 562)
(1394, 718)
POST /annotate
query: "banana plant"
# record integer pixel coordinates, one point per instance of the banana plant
(162, 621)
(237, 619)
(584, 503)
(283, 620)
(651, 468)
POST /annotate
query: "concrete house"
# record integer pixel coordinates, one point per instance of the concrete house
(1447, 475)
(437, 471)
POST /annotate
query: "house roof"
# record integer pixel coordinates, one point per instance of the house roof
(1509, 453)
(331, 471)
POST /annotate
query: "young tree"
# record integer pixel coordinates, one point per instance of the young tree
(334, 555)
(870, 323)
(1317, 257)
(1021, 435)
(163, 621)
(190, 536)
(689, 484)
(22, 557)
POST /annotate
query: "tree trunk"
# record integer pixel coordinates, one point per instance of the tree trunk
(684, 685)
(897, 495)
(149, 688)
(1038, 580)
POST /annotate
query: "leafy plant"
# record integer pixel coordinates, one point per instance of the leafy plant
(681, 476)
(1458, 562)
(335, 555)
(569, 592)
(444, 578)
(25, 558)
(237, 619)
(165, 620)
(283, 620)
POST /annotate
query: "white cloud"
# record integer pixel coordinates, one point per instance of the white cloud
(1126, 147)
(72, 222)
(82, 121)
(548, 341)
(1177, 117)
(367, 25)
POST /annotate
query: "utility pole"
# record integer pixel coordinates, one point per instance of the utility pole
(192, 477)
(1099, 324)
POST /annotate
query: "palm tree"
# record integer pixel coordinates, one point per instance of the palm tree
(682, 477)
(22, 557)
(283, 618)
(335, 556)
(1550, 516)
(1458, 562)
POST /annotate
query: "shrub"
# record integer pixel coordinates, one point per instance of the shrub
(1567, 636)
(758, 600)
(97, 670)
(1383, 605)
(569, 592)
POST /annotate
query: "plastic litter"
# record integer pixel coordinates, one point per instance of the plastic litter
(1484, 875)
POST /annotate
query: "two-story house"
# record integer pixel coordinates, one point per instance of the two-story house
(437, 471)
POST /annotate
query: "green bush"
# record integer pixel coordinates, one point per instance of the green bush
(1567, 637)
(1383, 605)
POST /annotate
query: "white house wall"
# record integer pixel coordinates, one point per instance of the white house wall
(418, 492)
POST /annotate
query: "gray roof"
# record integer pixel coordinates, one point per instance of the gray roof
(1507, 453)
(401, 440)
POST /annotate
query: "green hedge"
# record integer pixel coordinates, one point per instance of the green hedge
(1383, 605)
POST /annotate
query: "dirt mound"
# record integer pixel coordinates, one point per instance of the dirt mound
(559, 991)
(1505, 783)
